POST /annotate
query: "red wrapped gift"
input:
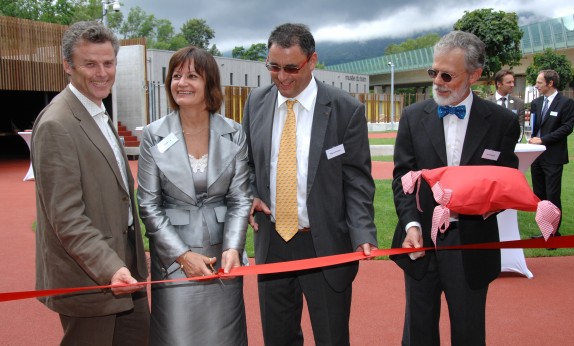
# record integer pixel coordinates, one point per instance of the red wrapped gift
(481, 190)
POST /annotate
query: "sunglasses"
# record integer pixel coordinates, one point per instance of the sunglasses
(288, 69)
(446, 77)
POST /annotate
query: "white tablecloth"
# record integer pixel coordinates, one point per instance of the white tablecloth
(27, 135)
(513, 259)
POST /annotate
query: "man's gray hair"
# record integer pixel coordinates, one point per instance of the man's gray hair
(474, 49)
(91, 31)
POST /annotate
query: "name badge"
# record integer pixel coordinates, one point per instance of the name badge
(166, 143)
(335, 151)
(490, 154)
(553, 113)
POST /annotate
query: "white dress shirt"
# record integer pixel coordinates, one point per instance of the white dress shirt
(454, 134)
(500, 102)
(101, 118)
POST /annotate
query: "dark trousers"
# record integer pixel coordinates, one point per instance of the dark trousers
(466, 306)
(281, 298)
(547, 183)
(126, 328)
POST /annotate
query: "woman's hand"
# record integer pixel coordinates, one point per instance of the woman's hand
(194, 264)
(230, 259)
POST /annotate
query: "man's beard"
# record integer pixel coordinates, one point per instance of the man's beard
(455, 97)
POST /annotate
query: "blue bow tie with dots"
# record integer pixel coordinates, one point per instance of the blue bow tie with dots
(459, 111)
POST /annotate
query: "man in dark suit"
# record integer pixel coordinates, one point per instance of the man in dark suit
(504, 80)
(430, 135)
(552, 118)
(331, 196)
(88, 230)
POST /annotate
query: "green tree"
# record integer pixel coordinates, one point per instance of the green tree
(25, 9)
(196, 32)
(58, 11)
(500, 33)
(424, 41)
(164, 30)
(238, 52)
(214, 51)
(164, 34)
(177, 42)
(138, 24)
(256, 52)
(549, 60)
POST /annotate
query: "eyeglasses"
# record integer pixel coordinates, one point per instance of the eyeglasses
(287, 69)
(446, 77)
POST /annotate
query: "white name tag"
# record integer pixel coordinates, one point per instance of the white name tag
(166, 143)
(335, 151)
(490, 154)
(553, 114)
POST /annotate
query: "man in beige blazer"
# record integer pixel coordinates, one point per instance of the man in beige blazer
(87, 228)
(504, 80)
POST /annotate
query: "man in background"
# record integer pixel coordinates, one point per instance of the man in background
(552, 119)
(88, 231)
(504, 80)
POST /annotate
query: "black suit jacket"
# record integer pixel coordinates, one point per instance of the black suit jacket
(340, 190)
(555, 127)
(420, 145)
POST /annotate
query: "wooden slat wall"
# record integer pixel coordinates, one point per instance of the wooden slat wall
(235, 97)
(31, 57)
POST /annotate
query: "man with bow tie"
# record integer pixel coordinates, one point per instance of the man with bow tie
(455, 128)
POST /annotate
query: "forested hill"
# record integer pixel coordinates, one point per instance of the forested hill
(332, 53)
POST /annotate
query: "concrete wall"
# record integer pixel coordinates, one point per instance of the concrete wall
(129, 95)
(237, 72)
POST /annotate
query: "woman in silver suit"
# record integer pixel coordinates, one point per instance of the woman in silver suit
(194, 199)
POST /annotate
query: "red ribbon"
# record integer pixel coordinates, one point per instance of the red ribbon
(281, 267)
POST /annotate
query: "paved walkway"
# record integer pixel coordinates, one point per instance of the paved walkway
(519, 312)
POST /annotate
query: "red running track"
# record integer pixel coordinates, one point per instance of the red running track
(519, 311)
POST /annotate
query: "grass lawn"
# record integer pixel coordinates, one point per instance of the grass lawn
(386, 218)
(381, 141)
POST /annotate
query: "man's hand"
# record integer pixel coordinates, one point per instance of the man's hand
(414, 239)
(257, 206)
(366, 249)
(535, 140)
(123, 276)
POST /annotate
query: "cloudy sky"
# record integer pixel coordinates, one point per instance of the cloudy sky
(244, 22)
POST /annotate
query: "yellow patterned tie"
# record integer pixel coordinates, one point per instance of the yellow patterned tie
(286, 216)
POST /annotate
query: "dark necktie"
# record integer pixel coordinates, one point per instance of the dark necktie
(459, 111)
(545, 108)
(503, 104)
